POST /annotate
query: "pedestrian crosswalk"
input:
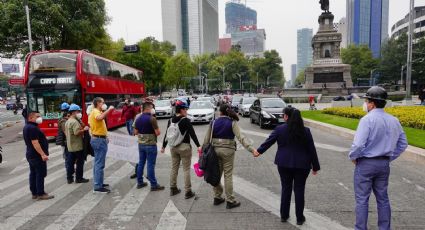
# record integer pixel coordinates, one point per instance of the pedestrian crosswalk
(75, 206)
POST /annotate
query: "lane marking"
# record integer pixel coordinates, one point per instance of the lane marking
(318, 145)
(25, 166)
(270, 202)
(25, 191)
(343, 185)
(24, 176)
(171, 218)
(28, 213)
(72, 216)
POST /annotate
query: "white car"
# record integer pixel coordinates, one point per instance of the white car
(201, 111)
(244, 105)
(163, 108)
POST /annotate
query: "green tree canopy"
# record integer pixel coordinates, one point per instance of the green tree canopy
(300, 80)
(178, 70)
(361, 60)
(61, 24)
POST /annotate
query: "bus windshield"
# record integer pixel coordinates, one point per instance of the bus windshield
(53, 63)
(48, 103)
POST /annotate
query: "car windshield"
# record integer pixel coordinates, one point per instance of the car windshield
(277, 103)
(53, 62)
(201, 105)
(249, 100)
(204, 99)
(48, 103)
(162, 103)
(236, 100)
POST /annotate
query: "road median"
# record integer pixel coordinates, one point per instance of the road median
(412, 153)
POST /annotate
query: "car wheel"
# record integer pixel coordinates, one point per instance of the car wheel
(261, 123)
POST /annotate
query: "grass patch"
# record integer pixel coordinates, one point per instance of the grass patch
(415, 137)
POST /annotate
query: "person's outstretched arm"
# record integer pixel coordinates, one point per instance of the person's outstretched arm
(268, 142)
(312, 150)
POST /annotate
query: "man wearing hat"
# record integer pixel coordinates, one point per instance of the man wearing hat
(74, 132)
(379, 140)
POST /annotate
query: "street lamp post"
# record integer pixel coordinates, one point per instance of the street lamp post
(206, 82)
(27, 11)
(257, 83)
(240, 80)
(371, 76)
(409, 53)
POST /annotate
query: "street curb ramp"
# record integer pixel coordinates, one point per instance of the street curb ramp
(411, 154)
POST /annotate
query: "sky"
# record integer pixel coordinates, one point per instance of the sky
(134, 20)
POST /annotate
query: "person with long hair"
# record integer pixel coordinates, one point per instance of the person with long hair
(224, 130)
(296, 156)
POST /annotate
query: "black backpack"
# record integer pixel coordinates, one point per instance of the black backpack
(209, 163)
(60, 138)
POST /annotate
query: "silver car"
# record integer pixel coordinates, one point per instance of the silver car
(244, 105)
(201, 111)
(163, 108)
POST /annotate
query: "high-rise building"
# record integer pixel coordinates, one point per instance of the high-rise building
(191, 25)
(402, 26)
(293, 74)
(367, 22)
(225, 45)
(304, 49)
(238, 15)
(341, 27)
(251, 42)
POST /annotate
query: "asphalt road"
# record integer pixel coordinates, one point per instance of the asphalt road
(329, 196)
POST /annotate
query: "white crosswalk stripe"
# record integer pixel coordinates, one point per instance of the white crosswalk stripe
(25, 165)
(71, 217)
(23, 216)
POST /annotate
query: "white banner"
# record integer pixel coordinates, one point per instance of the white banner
(123, 147)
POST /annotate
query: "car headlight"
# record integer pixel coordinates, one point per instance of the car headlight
(266, 114)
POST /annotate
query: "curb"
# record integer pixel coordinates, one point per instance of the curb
(412, 153)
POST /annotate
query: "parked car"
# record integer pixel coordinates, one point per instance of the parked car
(236, 100)
(244, 105)
(201, 111)
(163, 108)
(267, 112)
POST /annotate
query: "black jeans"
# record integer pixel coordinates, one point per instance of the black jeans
(38, 171)
(74, 158)
(296, 179)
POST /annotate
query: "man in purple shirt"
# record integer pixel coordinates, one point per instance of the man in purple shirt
(379, 140)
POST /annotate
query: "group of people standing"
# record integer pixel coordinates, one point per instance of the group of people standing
(379, 140)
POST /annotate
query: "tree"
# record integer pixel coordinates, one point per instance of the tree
(300, 80)
(58, 24)
(361, 60)
(178, 70)
(270, 66)
(393, 57)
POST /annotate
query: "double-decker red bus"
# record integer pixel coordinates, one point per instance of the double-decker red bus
(77, 76)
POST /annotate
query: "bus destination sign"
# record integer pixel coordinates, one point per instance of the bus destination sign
(56, 81)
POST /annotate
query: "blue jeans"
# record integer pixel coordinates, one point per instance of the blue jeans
(372, 175)
(147, 153)
(72, 159)
(38, 171)
(100, 148)
(129, 125)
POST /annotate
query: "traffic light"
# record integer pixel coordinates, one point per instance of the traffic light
(131, 49)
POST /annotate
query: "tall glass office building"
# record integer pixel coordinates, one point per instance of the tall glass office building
(304, 49)
(238, 15)
(367, 22)
(191, 25)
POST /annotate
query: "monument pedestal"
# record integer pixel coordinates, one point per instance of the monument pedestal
(327, 70)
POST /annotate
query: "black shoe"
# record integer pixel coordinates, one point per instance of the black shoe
(218, 201)
(174, 191)
(70, 181)
(142, 185)
(189, 195)
(284, 219)
(301, 221)
(81, 181)
(101, 190)
(157, 188)
(231, 205)
(105, 185)
(133, 176)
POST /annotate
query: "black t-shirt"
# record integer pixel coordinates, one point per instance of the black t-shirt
(32, 132)
(185, 127)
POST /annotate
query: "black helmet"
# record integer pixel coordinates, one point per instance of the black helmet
(376, 93)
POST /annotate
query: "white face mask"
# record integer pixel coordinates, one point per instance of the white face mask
(39, 120)
(104, 107)
(131, 103)
(365, 109)
(153, 111)
(79, 115)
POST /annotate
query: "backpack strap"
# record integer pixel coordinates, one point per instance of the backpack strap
(212, 130)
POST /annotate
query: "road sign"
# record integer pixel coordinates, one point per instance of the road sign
(16, 81)
(131, 49)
